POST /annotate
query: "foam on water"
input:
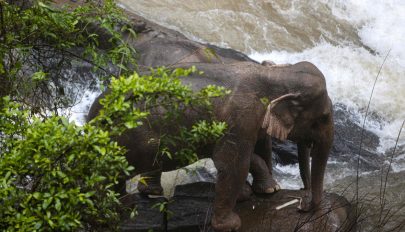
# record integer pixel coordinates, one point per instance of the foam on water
(380, 23)
(78, 112)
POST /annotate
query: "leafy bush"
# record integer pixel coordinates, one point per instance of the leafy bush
(41, 45)
(55, 175)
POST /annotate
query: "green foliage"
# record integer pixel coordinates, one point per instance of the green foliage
(163, 208)
(210, 53)
(55, 175)
(265, 101)
(188, 141)
(39, 42)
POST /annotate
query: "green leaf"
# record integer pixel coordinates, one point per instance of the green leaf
(46, 203)
(100, 150)
(58, 205)
(36, 195)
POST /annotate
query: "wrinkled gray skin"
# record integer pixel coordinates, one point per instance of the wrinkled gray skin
(300, 111)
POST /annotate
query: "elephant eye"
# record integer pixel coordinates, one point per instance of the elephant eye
(321, 120)
(324, 118)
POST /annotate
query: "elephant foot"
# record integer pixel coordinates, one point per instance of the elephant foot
(268, 185)
(308, 205)
(245, 193)
(150, 189)
(228, 222)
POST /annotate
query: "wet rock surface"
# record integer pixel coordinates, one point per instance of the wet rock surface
(260, 214)
(147, 217)
(346, 144)
(348, 136)
(190, 209)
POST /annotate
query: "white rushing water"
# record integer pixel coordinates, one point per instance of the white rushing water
(78, 112)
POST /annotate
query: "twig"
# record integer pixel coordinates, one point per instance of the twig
(388, 171)
(288, 204)
(3, 29)
(362, 133)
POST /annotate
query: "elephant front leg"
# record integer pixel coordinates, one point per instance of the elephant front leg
(320, 153)
(263, 181)
(318, 167)
(304, 150)
(232, 160)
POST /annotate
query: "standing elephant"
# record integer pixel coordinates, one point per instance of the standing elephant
(299, 110)
(167, 51)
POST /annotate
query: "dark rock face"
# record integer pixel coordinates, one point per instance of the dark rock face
(345, 146)
(347, 142)
(191, 206)
(284, 153)
(148, 216)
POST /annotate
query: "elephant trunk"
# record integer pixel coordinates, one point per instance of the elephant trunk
(320, 153)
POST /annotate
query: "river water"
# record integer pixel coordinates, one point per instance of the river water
(347, 40)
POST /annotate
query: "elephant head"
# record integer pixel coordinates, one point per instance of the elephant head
(303, 114)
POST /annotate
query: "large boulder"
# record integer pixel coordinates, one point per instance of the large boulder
(190, 210)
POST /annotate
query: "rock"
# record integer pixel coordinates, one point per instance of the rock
(147, 217)
(345, 145)
(284, 153)
(259, 214)
(190, 209)
(347, 142)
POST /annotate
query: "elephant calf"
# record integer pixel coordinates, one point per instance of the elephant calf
(299, 110)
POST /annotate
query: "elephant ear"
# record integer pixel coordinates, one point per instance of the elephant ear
(280, 115)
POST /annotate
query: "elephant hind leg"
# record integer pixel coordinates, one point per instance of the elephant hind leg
(150, 184)
(263, 181)
(245, 193)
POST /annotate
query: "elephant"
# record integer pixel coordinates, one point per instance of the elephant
(166, 51)
(300, 110)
